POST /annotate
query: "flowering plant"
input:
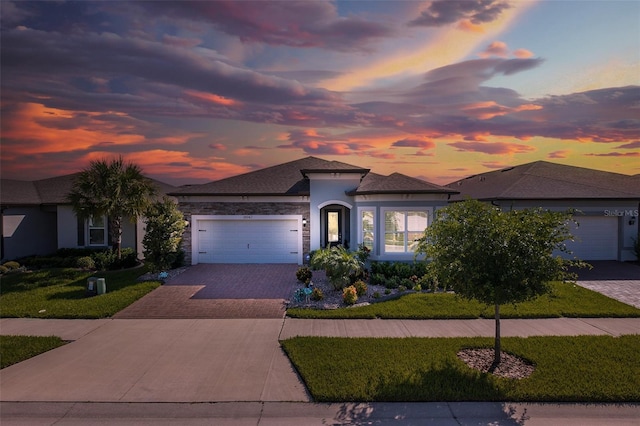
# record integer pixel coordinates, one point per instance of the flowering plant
(349, 295)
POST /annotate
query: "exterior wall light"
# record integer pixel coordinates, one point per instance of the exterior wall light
(304, 222)
(632, 221)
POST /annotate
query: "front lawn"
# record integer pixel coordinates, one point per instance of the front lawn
(14, 349)
(566, 300)
(567, 369)
(60, 293)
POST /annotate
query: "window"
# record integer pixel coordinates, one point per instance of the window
(366, 228)
(402, 228)
(97, 231)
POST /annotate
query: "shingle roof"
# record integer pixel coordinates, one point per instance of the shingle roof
(290, 179)
(18, 192)
(397, 183)
(283, 179)
(545, 180)
(48, 191)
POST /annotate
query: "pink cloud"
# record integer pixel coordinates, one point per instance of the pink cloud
(497, 48)
(559, 154)
(630, 145)
(217, 146)
(444, 12)
(522, 53)
(414, 143)
(493, 148)
(616, 154)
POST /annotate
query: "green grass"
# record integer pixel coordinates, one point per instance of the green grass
(14, 349)
(60, 293)
(566, 300)
(568, 369)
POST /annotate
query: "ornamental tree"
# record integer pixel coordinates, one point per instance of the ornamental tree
(165, 225)
(495, 256)
(114, 189)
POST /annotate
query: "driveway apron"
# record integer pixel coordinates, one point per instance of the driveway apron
(617, 280)
(219, 291)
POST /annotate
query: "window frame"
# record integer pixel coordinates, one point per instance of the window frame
(361, 230)
(405, 210)
(91, 227)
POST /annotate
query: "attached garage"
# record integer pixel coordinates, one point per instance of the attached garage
(247, 239)
(596, 238)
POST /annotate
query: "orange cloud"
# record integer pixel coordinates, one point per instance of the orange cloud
(490, 109)
(522, 53)
(36, 129)
(174, 164)
(467, 25)
(213, 98)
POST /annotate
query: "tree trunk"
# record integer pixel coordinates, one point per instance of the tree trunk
(496, 347)
(116, 235)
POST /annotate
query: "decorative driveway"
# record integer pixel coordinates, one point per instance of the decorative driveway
(220, 291)
(617, 280)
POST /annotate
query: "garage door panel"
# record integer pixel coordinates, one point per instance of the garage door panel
(249, 241)
(596, 238)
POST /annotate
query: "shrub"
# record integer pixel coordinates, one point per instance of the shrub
(11, 265)
(338, 264)
(402, 289)
(363, 253)
(108, 259)
(165, 225)
(387, 291)
(304, 274)
(361, 287)
(317, 294)
(86, 262)
(417, 287)
(376, 295)
(377, 279)
(179, 261)
(349, 295)
(3, 269)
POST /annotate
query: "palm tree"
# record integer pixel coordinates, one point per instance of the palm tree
(114, 189)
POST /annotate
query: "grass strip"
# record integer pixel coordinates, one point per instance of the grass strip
(60, 293)
(14, 349)
(565, 300)
(568, 369)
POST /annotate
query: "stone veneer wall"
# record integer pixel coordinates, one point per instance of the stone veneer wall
(212, 208)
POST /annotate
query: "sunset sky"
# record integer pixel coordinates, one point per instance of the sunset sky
(198, 91)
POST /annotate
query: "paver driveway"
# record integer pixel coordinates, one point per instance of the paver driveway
(220, 291)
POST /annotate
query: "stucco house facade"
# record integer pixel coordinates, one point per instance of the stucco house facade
(280, 214)
(606, 203)
(37, 219)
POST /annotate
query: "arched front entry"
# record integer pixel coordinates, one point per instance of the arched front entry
(335, 223)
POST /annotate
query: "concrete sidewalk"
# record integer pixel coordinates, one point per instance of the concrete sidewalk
(297, 414)
(233, 371)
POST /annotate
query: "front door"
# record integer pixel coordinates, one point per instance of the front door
(333, 230)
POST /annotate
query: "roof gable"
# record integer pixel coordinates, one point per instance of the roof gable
(545, 180)
(397, 183)
(282, 179)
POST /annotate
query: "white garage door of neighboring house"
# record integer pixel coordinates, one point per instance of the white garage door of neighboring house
(248, 241)
(595, 239)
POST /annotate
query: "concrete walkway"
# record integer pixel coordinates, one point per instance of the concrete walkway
(233, 371)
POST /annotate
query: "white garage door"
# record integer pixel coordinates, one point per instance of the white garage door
(596, 238)
(248, 241)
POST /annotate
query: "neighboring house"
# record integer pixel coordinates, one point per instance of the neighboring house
(281, 213)
(607, 203)
(37, 219)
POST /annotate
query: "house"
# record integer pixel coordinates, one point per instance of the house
(607, 203)
(280, 214)
(37, 219)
